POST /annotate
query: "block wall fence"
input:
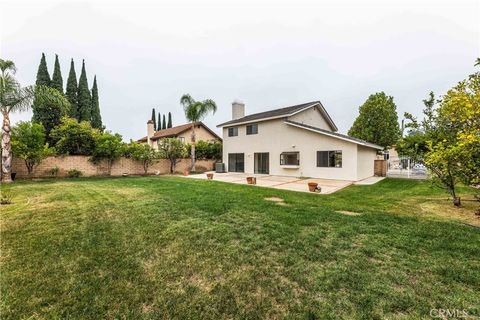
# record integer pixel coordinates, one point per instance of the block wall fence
(88, 168)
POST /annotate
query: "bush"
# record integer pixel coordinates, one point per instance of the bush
(207, 150)
(6, 197)
(74, 173)
(74, 138)
(54, 171)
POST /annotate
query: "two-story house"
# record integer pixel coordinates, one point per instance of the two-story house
(300, 141)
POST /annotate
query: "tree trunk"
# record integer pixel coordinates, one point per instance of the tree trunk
(192, 149)
(6, 149)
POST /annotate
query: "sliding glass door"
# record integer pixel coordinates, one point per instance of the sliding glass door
(261, 163)
(236, 162)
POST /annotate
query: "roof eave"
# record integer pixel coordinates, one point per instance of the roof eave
(368, 145)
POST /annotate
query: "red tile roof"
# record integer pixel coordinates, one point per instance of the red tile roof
(175, 131)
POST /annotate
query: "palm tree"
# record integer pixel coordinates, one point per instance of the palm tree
(196, 111)
(13, 98)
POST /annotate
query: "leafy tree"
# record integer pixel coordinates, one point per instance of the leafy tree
(169, 124)
(28, 144)
(72, 91)
(109, 148)
(377, 121)
(84, 106)
(144, 154)
(196, 111)
(13, 98)
(159, 126)
(57, 80)
(74, 138)
(154, 119)
(164, 125)
(172, 149)
(455, 155)
(448, 138)
(96, 116)
(50, 109)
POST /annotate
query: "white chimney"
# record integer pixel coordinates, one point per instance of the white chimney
(238, 109)
(150, 131)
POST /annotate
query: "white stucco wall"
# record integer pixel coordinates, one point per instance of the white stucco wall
(365, 162)
(312, 117)
(275, 137)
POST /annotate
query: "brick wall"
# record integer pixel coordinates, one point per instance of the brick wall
(83, 163)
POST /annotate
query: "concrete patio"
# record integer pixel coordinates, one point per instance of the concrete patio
(278, 182)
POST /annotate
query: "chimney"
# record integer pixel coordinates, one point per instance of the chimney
(238, 109)
(150, 131)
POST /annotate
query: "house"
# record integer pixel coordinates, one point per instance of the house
(182, 132)
(300, 141)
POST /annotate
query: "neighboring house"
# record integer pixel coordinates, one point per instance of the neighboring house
(182, 132)
(298, 141)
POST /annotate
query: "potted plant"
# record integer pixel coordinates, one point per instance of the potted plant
(251, 180)
(313, 186)
(210, 176)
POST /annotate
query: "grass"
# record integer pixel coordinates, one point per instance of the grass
(168, 247)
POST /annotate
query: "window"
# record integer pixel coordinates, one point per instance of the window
(232, 132)
(290, 159)
(329, 159)
(252, 128)
(182, 139)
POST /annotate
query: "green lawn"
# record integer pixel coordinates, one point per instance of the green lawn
(169, 247)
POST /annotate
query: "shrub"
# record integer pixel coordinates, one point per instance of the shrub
(74, 138)
(6, 197)
(54, 171)
(207, 150)
(74, 173)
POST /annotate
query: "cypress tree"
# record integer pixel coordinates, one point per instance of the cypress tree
(164, 123)
(159, 126)
(96, 116)
(154, 119)
(84, 97)
(57, 81)
(43, 79)
(169, 124)
(71, 91)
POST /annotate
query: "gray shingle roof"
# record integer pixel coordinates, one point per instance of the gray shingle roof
(275, 113)
(343, 136)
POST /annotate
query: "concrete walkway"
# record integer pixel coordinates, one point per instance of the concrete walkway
(278, 182)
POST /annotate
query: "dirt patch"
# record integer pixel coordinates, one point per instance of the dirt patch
(276, 200)
(349, 213)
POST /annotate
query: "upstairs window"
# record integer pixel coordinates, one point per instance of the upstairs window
(290, 158)
(233, 132)
(329, 159)
(252, 128)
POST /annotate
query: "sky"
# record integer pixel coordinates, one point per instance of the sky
(269, 54)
